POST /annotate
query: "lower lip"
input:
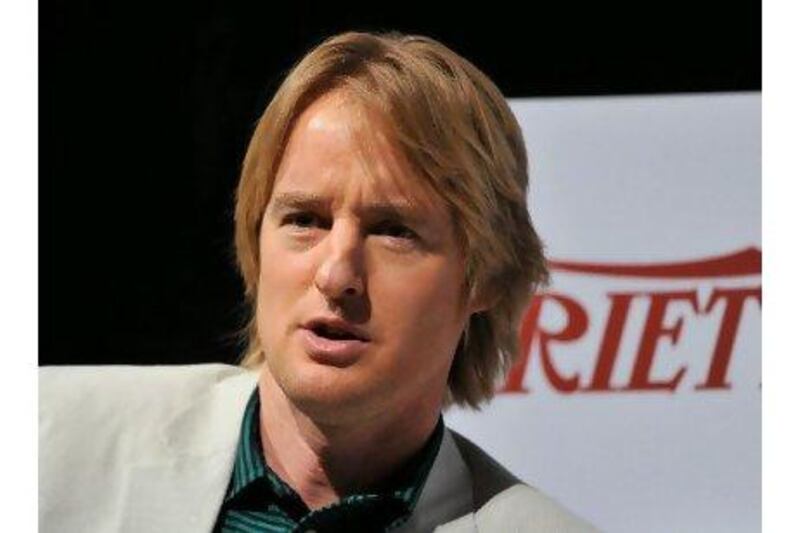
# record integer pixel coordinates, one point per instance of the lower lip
(330, 351)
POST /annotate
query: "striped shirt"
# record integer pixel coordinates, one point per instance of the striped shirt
(258, 500)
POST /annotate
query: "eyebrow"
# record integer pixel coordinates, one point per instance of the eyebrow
(402, 210)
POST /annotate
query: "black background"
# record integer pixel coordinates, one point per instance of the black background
(146, 110)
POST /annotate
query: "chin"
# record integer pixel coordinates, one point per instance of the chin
(326, 392)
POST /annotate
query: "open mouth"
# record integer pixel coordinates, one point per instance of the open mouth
(327, 331)
(334, 342)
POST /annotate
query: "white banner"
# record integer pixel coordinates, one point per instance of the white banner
(638, 404)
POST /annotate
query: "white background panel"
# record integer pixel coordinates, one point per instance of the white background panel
(657, 179)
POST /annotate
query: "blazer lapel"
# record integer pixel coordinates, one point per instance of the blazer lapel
(446, 496)
(181, 490)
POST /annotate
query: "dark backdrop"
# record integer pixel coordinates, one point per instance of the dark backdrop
(146, 109)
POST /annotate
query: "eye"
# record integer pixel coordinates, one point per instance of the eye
(395, 230)
(302, 219)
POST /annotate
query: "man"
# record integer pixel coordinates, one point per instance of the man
(387, 253)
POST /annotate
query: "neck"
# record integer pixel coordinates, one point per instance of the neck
(323, 462)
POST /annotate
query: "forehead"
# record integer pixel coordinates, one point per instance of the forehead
(337, 142)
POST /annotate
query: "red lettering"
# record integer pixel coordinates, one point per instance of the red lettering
(532, 336)
(734, 300)
(654, 330)
(609, 346)
(577, 323)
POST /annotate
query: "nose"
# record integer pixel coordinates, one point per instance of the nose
(340, 274)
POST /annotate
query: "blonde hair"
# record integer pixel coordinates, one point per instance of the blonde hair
(456, 129)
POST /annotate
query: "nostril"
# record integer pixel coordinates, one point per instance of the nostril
(337, 281)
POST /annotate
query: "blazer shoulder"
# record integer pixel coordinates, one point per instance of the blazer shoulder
(126, 385)
(79, 405)
(504, 503)
(66, 379)
(100, 425)
(525, 509)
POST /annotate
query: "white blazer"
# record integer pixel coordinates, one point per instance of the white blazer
(151, 449)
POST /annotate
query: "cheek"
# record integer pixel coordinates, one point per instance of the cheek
(282, 282)
(281, 270)
(422, 305)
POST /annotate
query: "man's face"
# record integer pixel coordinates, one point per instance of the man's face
(360, 297)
